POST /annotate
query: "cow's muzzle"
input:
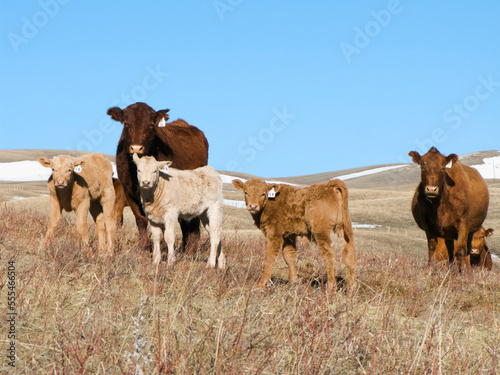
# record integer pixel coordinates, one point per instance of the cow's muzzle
(136, 149)
(431, 191)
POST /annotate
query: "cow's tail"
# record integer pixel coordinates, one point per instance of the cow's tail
(343, 209)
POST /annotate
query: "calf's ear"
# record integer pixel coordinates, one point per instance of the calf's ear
(135, 158)
(488, 232)
(415, 156)
(45, 162)
(116, 114)
(163, 165)
(276, 187)
(238, 184)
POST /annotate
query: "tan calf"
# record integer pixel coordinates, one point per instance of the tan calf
(283, 212)
(479, 256)
(82, 184)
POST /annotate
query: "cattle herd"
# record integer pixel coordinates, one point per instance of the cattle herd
(164, 178)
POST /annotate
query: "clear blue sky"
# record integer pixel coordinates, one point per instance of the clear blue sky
(280, 88)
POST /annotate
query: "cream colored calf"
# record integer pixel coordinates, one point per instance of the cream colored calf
(168, 194)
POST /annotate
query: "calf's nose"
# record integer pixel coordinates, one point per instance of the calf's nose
(252, 206)
(146, 183)
(136, 149)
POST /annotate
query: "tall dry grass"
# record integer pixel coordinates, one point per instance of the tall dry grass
(81, 315)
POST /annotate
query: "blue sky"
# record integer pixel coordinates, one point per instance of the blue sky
(279, 88)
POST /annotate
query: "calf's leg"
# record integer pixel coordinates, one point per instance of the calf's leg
(274, 245)
(156, 234)
(108, 208)
(55, 216)
(327, 252)
(97, 215)
(212, 221)
(290, 256)
(81, 223)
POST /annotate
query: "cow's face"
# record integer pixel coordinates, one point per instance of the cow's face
(256, 193)
(148, 171)
(62, 169)
(139, 122)
(478, 242)
(433, 166)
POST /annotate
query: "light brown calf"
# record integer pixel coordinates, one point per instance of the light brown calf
(315, 211)
(82, 184)
(480, 255)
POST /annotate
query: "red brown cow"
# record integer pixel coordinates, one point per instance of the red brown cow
(146, 132)
(451, 202)
(479, 256)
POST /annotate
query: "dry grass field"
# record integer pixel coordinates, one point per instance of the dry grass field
(77, 314)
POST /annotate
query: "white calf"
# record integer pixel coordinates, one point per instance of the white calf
(168, 194)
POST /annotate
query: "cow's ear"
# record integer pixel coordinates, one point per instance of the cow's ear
(415, 156)
(44, 162)
(116, 114)
(238, 184)
(488, 232)
(451, 158)
(162, 115)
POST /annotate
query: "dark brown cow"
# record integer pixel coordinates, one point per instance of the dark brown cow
(451, 202)
(479, 256)
(146, 132)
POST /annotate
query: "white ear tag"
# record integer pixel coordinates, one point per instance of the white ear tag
(450, 164)
(161, 124)
(271, 194)
(78, 168)
(165, 168)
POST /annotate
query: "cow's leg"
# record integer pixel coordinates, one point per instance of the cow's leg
(97, 215)
(212, 221)
(290, 256)
(190, 234)
(156, 235)
(81, 223)
(461, 250)
(450, 248)
(55, 216)
(431, 246)
(109, 213)
(274, 245)
(324, 240)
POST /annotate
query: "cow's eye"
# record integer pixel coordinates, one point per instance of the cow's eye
(69, 170)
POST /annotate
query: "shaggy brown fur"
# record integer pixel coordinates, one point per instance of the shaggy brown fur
(480, 255)
(89, 189)
(315, 212)
(451, 202)
(183, 144)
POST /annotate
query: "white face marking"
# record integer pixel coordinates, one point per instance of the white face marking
(147, 172)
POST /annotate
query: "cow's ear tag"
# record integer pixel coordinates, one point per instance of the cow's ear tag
(450, 164)
(271, 193)
(162, 123)
(78, 168)
(165, 168)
